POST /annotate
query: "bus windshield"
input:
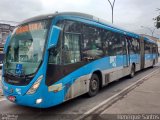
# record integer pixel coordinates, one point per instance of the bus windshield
(25, 50)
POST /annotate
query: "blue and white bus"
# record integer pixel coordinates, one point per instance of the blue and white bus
(52, 58)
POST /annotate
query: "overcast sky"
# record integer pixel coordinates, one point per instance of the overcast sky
(129, 14)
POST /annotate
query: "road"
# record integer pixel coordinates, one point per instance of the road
(73, 108)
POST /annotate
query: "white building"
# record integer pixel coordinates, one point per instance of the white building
(5, 29)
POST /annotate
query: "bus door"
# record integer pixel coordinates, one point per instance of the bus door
(142, 53)
(125, 52)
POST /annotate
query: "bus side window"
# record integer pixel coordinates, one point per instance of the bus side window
(105, 41)
(123, 45)
(55, 54)
(119, 44)
(147, 47)
(91, 43)
(71, 49)
(112, 44)
(71, 41)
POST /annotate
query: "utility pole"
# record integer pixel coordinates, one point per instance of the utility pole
(112, 7)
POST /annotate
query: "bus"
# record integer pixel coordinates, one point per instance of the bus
(53, 58)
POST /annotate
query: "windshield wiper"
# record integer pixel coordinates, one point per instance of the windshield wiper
(6, 73)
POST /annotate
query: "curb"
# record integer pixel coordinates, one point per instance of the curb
(105, 104)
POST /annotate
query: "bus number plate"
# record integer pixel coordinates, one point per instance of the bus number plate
(12, 98)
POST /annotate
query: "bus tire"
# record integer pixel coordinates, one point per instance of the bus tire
(93, 85)
(132, 73)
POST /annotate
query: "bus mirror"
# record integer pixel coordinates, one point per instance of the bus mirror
(7, 43)
(53, 38)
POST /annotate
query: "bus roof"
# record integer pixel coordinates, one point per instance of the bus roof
(149, 40)
(41, 17)
(86, 16)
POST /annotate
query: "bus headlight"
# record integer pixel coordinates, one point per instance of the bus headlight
(35, 85)
(38, 101)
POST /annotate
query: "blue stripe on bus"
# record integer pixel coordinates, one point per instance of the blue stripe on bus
(150, 56)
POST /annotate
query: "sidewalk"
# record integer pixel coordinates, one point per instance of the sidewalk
(144, 99)
(0, 83)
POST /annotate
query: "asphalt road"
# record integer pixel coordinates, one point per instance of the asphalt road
(73, 108)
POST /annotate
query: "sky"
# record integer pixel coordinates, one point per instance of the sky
(128, 14)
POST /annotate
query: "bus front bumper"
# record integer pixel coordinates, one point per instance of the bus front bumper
(37, 100)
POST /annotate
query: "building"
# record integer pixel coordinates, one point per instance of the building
(157, 40)
(5, 29)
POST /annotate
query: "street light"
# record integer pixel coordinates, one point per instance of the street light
(151, 30)
(112, 7)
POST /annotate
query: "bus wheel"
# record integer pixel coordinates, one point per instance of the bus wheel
(132, 73)
(93, 86)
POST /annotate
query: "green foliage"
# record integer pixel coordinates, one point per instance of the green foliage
(158, 22)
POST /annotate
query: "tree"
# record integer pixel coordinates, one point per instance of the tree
(158, 21)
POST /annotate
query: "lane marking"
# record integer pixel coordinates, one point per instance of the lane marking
(116, 95)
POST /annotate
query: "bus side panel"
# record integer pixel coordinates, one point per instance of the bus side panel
(135, 58)
(111, 68)
(77, 82)
(142, 59)
(148, 60)
(156, 54)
